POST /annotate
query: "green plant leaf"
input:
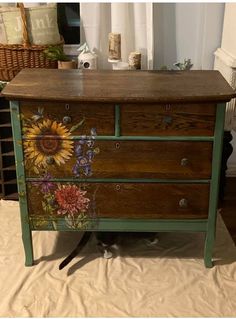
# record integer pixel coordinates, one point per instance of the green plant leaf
(55, 53)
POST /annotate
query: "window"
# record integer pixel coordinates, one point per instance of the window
(69, 22)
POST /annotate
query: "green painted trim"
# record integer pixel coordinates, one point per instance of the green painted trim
(137, 138)
(117, 120)
(214, 189)
(124, 180)
(131, 225)
(20, 172)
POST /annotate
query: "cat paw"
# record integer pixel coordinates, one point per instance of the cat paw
(152, 242)
(107, 254)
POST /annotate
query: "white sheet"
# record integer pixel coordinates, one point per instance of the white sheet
(168, 280)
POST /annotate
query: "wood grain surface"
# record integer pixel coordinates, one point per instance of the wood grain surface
(119, 86)
(168, 119)
(143, 159)
(93, 115)
(139, 200)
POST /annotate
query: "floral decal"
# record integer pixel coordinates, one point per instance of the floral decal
(66, 200)
(71, 200)
(85, 152)
(45, 185)
(39, 150)
(48, 142)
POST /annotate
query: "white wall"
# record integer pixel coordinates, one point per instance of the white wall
(228, 38)
(229, 45)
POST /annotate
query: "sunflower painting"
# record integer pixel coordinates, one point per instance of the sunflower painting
(56, 148)
(48, 142)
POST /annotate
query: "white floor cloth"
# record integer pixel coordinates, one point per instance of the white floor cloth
(168, 280)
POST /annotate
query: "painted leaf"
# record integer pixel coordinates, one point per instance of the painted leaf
(75, 127)
(40, 223)
(69, 221)
(54, 224)
(35, 169)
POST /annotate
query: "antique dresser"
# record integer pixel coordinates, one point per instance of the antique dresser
(118, 150)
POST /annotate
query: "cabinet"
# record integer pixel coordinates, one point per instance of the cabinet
(118, 150)
(8, 184)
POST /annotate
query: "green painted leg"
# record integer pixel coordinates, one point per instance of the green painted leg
(28, 247)
(208, 252)
(21, 184)
(213, 201)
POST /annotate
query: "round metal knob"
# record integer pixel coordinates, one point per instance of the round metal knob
(167, 120)
(117, 187)
(66, 119)
(183, 203)
(50, 160)
(184, 162)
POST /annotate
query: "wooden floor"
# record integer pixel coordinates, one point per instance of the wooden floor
(229, 207)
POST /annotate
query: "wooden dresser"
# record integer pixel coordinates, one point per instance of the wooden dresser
(118, 150)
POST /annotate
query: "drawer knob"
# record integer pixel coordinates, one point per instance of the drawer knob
(167, 120)
(50, 160)
(183, 203)
(66, 120)
(117, 145)
(118, 187)
(184, 162)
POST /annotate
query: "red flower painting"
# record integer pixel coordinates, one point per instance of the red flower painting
(71, 200)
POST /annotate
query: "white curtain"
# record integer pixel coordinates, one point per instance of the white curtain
(134, 21)
(187, 30)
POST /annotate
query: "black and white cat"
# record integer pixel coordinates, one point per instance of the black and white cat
(107, 242)
(110, 241)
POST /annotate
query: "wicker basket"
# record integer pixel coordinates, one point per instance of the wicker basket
(15, 57)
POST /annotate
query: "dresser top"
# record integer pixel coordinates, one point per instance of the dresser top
(119, 86)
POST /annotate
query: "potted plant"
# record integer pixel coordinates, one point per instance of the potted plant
(54, 53)
(182, 66)
(186, 65)
(2, 85)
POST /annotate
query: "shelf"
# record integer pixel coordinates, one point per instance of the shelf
(9, 168)
(7, 139)
(13, 196)
(8, 182)
(12, 181)
(5, 125)
(8, 154)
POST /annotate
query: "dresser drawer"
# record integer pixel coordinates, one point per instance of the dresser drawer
(118, 159)
(65, 119)
(168, 119)
(123, 200)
